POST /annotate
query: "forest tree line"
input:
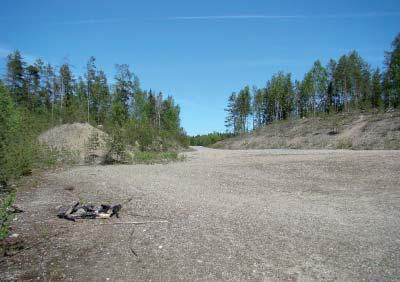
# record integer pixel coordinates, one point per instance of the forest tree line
(57, 93)
(208, 139)
(36, 96)
(348, 84)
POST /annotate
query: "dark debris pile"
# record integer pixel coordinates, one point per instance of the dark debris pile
(78, 211)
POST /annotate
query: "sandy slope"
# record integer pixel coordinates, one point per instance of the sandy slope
(364, 131)
(262, 215)
(74, 138)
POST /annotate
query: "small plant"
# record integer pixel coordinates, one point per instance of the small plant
(5, 218)
(92, 146)
(116, 148)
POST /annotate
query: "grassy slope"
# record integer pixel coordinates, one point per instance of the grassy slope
(343, 131)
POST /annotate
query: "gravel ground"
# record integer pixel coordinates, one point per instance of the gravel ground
(259, 215)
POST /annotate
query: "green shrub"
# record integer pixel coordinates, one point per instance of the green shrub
(150, 157)
(6, 217)
(12, 162)
(116, 147)
(92, 145)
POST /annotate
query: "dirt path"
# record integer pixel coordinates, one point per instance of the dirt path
(262, 215)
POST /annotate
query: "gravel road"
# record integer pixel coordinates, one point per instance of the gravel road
(257, 215)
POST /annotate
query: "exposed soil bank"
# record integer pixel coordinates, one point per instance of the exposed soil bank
(342, 131)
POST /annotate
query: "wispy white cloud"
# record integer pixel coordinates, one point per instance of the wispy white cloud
(94, 21)
(283, 17)
(235, 17)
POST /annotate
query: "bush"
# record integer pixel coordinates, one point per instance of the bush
(116, 147)
(20, 152)
(6, 218)
(12, 162)
(92, 146)
(155, 157)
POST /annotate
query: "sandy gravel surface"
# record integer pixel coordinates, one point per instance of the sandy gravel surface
(261, 215)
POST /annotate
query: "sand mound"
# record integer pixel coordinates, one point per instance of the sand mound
(77, 138)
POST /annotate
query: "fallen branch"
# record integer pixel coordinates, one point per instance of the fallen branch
(130, 242)
(135, 222)
(147, 216)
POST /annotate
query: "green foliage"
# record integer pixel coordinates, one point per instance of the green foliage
(5, 216)
(239, 110)
(117, 147)
(258, 107)
(208, 139)
(92, 145)
(20, 151)
(124, 87)
(131, 116)
(279, 91)
(144, 136)
(392, 88)
(15, 78)
(376, 95)
(169, 116)
(155, 157)
(10, 137)
(232, 112)
(348, 84)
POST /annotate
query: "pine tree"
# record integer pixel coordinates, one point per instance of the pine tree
(124, 86)
(66, 81)
(169, 117)
(244, 108)
(258, 98)
(90, 81)
(331, 100)
(376, 98)
(288, 97)
(15, 78)
(100, 97)
(32, 80)
(232, 116)
(151, 109)
(393, 73)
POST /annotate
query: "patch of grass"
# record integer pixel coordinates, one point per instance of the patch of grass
(151, 157)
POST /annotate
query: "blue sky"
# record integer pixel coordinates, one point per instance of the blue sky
(198, 51)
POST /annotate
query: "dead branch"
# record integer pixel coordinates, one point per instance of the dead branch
(130, 242)
(134, 222)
